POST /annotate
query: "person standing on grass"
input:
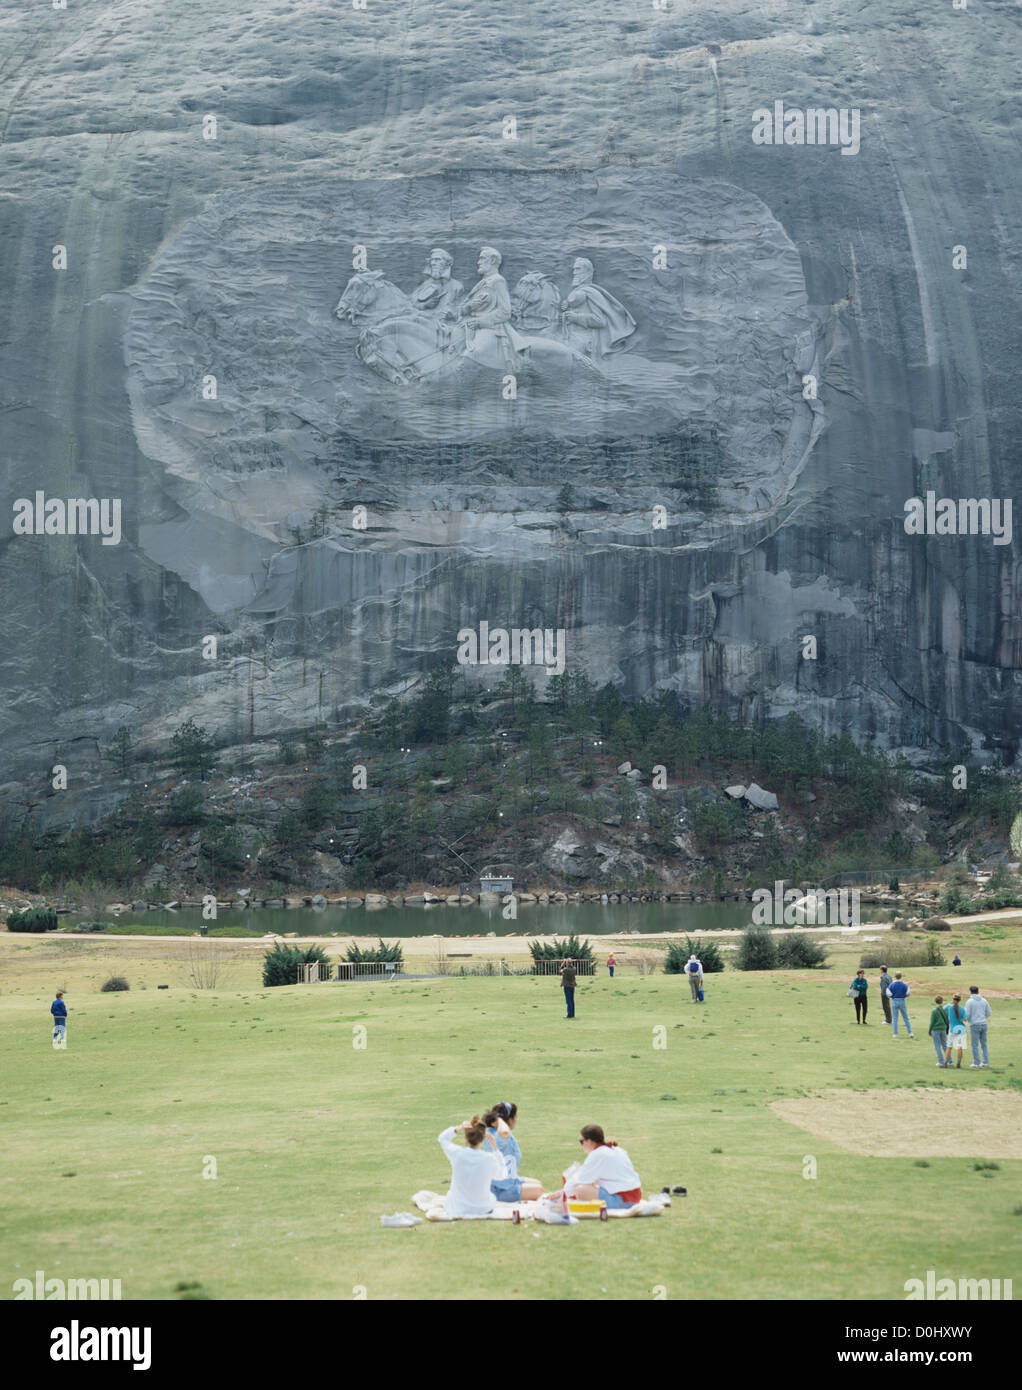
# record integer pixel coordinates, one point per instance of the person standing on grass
(898, 993)
(568, 985)
(611, 962)
(860, 985)
(885, 984)
(694, 971)
(59, 1011)
(956, 1030)
(977, 1012)
(938, 1029)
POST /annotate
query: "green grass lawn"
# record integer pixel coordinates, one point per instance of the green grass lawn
(314, 1138)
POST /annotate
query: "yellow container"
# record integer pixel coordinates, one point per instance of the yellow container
(577, 1208)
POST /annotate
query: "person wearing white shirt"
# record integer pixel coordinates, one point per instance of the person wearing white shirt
(977, 1012)
(607, 1174)
(694, 971)
(472, 1170)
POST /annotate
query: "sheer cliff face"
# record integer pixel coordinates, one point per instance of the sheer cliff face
(774, 346)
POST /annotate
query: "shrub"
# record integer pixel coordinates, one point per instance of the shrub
(360, 955)
(91, 926)
(707, 951)
(184, 807)
(953, 898)
(563, 948)
(757, 950)
(936, 924)
(282, 965)
(909, 953)
(114, 985)
(799, 952)
(893, 885)
(192, 749)
(362, 874)
(1000, 877)
(32, 919)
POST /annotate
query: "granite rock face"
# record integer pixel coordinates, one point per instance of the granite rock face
(805, 357)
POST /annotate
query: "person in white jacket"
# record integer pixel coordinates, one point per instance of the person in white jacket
(472, 1170)
(694, 971)
(977, 1016)
(607, 1174)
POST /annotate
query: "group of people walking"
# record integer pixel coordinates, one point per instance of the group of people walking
(486, 1171)
(948, 1022)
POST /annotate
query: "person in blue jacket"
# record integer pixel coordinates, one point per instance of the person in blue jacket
(898, 993)
(59, 1011)
(500, 1121)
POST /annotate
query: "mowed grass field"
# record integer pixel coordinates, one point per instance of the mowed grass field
(314, 1138)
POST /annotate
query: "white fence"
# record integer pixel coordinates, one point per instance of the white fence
(319, 970)
(554, 967)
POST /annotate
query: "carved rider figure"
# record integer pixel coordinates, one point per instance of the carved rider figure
(438, 294)
(485, 314)
(594, 321)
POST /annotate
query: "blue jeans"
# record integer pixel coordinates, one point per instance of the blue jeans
(614, 1200)
(900, 1007)
(611, 969)
(569, 999)
(940, 1045)
(978, 1038)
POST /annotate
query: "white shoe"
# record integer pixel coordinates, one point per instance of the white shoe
(975, 1066)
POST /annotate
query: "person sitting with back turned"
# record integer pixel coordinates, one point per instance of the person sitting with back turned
(500, 1121)
(472, 1170)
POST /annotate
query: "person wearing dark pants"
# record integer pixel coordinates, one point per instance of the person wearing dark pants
(860, 984)
(568, 985)
(59, 1011)
(885, 984)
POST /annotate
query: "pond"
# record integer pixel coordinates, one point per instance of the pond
(585, 919)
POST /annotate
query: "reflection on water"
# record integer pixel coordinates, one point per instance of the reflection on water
(585, 919)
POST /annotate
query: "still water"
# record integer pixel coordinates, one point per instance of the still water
(585, 919)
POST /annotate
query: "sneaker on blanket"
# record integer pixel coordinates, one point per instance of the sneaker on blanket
(646, 1208)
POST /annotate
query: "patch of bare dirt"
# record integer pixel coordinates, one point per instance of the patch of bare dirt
(910, 1122)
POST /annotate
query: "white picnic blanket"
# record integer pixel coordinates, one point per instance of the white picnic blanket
(431, 1204)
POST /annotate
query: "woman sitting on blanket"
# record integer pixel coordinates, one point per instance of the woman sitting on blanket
(499, 1122)
(472, 1169)
(606, 1175)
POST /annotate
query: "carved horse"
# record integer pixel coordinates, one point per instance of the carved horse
(405, 345)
